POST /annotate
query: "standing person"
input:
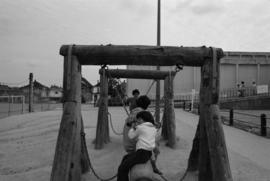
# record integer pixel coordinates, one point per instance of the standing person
(242, 88)
(145, 132)
(130, 144)
(238, 90)
(132, 100)
(254, 87)
(95, 100)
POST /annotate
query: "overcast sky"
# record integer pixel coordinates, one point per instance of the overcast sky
(32, 31)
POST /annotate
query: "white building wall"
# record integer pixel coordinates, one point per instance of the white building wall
(228, 76)
(264, 75)
(247, 73)
(235, 67)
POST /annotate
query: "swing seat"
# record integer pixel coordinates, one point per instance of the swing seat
(142, 172)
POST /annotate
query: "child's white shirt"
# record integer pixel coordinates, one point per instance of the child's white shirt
(146, 134)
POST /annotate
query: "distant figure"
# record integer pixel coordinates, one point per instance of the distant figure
(242, 89)
(238, 90)
(95, 100)
(132, 100)
(254, 87)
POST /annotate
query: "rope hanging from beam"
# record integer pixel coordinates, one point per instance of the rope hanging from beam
(150, 87)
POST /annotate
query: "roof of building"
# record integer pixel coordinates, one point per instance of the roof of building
(4, 87)
(36, 84)
(86, 83)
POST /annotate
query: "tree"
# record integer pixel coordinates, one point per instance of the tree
(116, 88)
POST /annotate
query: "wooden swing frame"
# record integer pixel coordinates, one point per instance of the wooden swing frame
(168, 127)
(209, 153)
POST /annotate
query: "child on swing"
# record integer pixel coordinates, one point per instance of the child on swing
(145, 132)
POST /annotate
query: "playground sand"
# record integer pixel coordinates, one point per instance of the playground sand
(27, 145)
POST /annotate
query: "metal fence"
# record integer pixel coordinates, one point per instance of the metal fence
(224, 94)
(256, 123)
(8, 109)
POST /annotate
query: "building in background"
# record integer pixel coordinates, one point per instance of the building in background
(96, 93)
(87, 91)
(235, 68)
(55, 93)
(40, 91)
(4, 90)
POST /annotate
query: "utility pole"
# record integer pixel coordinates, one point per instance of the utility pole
(31, 97)
(158, 67)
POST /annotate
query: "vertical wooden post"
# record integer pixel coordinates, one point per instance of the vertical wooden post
(231, 117)
(9, 105)
(22, 104)
(67, 158)
(168, 128)
(263, 125)
(157, 109)
(193, 161)
(213, 151)
(85, 160)
(102, 132)
(31, 92)
(164, 131)
(205, 171)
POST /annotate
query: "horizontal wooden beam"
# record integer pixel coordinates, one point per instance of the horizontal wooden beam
(140, 55)
(138, 74)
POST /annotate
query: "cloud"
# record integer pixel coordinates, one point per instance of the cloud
(207, 9)
(198, 7)
(31, 65)
(140, 7)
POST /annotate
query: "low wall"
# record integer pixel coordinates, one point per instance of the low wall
(248, 103)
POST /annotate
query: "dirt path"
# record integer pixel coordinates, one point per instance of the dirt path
(27, 144)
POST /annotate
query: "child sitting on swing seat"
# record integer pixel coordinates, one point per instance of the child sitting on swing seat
(145, 131)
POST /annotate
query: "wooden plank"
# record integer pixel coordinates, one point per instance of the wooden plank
(140, 55)
(137, 74)
(67, 159)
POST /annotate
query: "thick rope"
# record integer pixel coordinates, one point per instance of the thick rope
(150, 87)
(115, 132)
(91, 166)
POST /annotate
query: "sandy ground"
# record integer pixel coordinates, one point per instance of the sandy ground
(27, 145)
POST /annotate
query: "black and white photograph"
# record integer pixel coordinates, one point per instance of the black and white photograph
(135, 90)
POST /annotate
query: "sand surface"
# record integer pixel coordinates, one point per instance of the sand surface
(27, 145)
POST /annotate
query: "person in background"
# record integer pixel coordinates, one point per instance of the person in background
(242, 89)
(132, 100)
(145, 132)
(238, 90)
(254, 87)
